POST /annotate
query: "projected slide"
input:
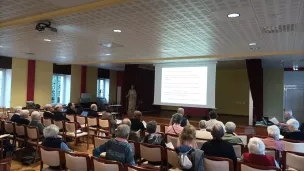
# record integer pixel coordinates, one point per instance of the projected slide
(184, 85)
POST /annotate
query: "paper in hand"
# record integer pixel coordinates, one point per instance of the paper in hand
(170, 145)
(274, 121)
(145, 124)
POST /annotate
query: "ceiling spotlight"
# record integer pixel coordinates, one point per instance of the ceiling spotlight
(107, 54)
(117, 31)
(1, 46)
(47, 40)
(63, 57)
(233, 15)
(252, 44)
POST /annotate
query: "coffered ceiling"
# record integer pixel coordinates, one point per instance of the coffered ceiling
(152, 30)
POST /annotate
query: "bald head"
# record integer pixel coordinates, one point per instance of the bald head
(126, 121)
(181, 111)
(217, 131)
(93, 107)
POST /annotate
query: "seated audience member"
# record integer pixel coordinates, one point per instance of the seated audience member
(152, 137)
(58, 115)
(24, 114)
(36, 118)
(117, 149)
(217, 147)
(16, 116)
(257, 155)
(230, 136)
(213, 116)
(185, 121)
(203, 133)
(176, 128)
(132, 136)
(302, 127)
(71, 109)
(188, 145)
(273, 139)
(48, 114)
(108, 116)
(51, 139)
(93, 111)
(6, 145)
(284, 126)
(294, 134)
(136, 122)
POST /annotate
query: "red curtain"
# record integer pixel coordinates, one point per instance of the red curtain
(83, 79)
(31, 68)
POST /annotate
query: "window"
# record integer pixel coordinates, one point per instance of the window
(61, 85)
(5, 87)
(103, 88)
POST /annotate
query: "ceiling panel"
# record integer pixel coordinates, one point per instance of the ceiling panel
(152, 29)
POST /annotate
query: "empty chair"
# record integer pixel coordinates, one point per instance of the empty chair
(172, 138)
(218, 164)
(77, 161)
(104, 124)
(102, 164)
(293, 160)
(19, 133)
(93, 125)
(9, 128)
(60, 125)
(82, 120)
(50, 157)
(71, 131)
(46, 122)
(294, 146)
(152, 153)
(244, 138)
(134, 146)
(70, 117)
(99, 140)
(172, 158)
(33, 138)
(251, 167)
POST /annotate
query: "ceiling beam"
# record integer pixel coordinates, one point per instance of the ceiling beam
(222, 56)
(62, 12)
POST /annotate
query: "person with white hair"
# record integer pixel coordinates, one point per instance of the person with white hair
(36, 121)
(48, 114)
(16, 116)
(52, 140)
(230, 136)
(202, 132)
(257, 155)
(132, 135)
(117, 149)
(93, 111)
(184, 121)
(294, 132)
(58, 115)
(273, 139)
(24, 114)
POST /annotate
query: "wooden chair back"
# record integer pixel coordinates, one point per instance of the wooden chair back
(98, 140)
(77, 161)
(218, 163)
(242, 166)
(293, 160)
(102, 164)
(173, 138)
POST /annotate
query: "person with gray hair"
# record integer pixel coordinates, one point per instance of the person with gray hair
(217, 147)
(117, 149)
(176, 127)
(202, 132)
(36, 121)
(256, 154)
(133, 135)
(16, 116)
(294, 132)
(24, 114)
(58, 115)
(52, 140)
(48, 114)
(230, 136)
(273, 139)
(153, 137)
(184, 121)
(93, 111)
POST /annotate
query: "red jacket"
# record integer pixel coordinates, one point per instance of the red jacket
(259, 159)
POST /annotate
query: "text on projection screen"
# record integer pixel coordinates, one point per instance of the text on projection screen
(184, 85)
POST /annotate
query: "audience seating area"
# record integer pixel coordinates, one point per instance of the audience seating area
(98, 130)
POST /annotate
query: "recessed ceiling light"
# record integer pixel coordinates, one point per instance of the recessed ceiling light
(117, 31)
(47, 40)
(1, 46)
(233, 15)
(252, 44)
(107, 54)
(63, 57)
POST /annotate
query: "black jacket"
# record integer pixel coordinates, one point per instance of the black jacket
(93, 113)
(48, 115)
(137, 125)
(58, 116)
(154, 139)
(70, 111)
(219, 148)
(15, 118)
(296, 135)
(23, 121)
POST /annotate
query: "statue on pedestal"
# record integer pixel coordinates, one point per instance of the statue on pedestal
(131, 100)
